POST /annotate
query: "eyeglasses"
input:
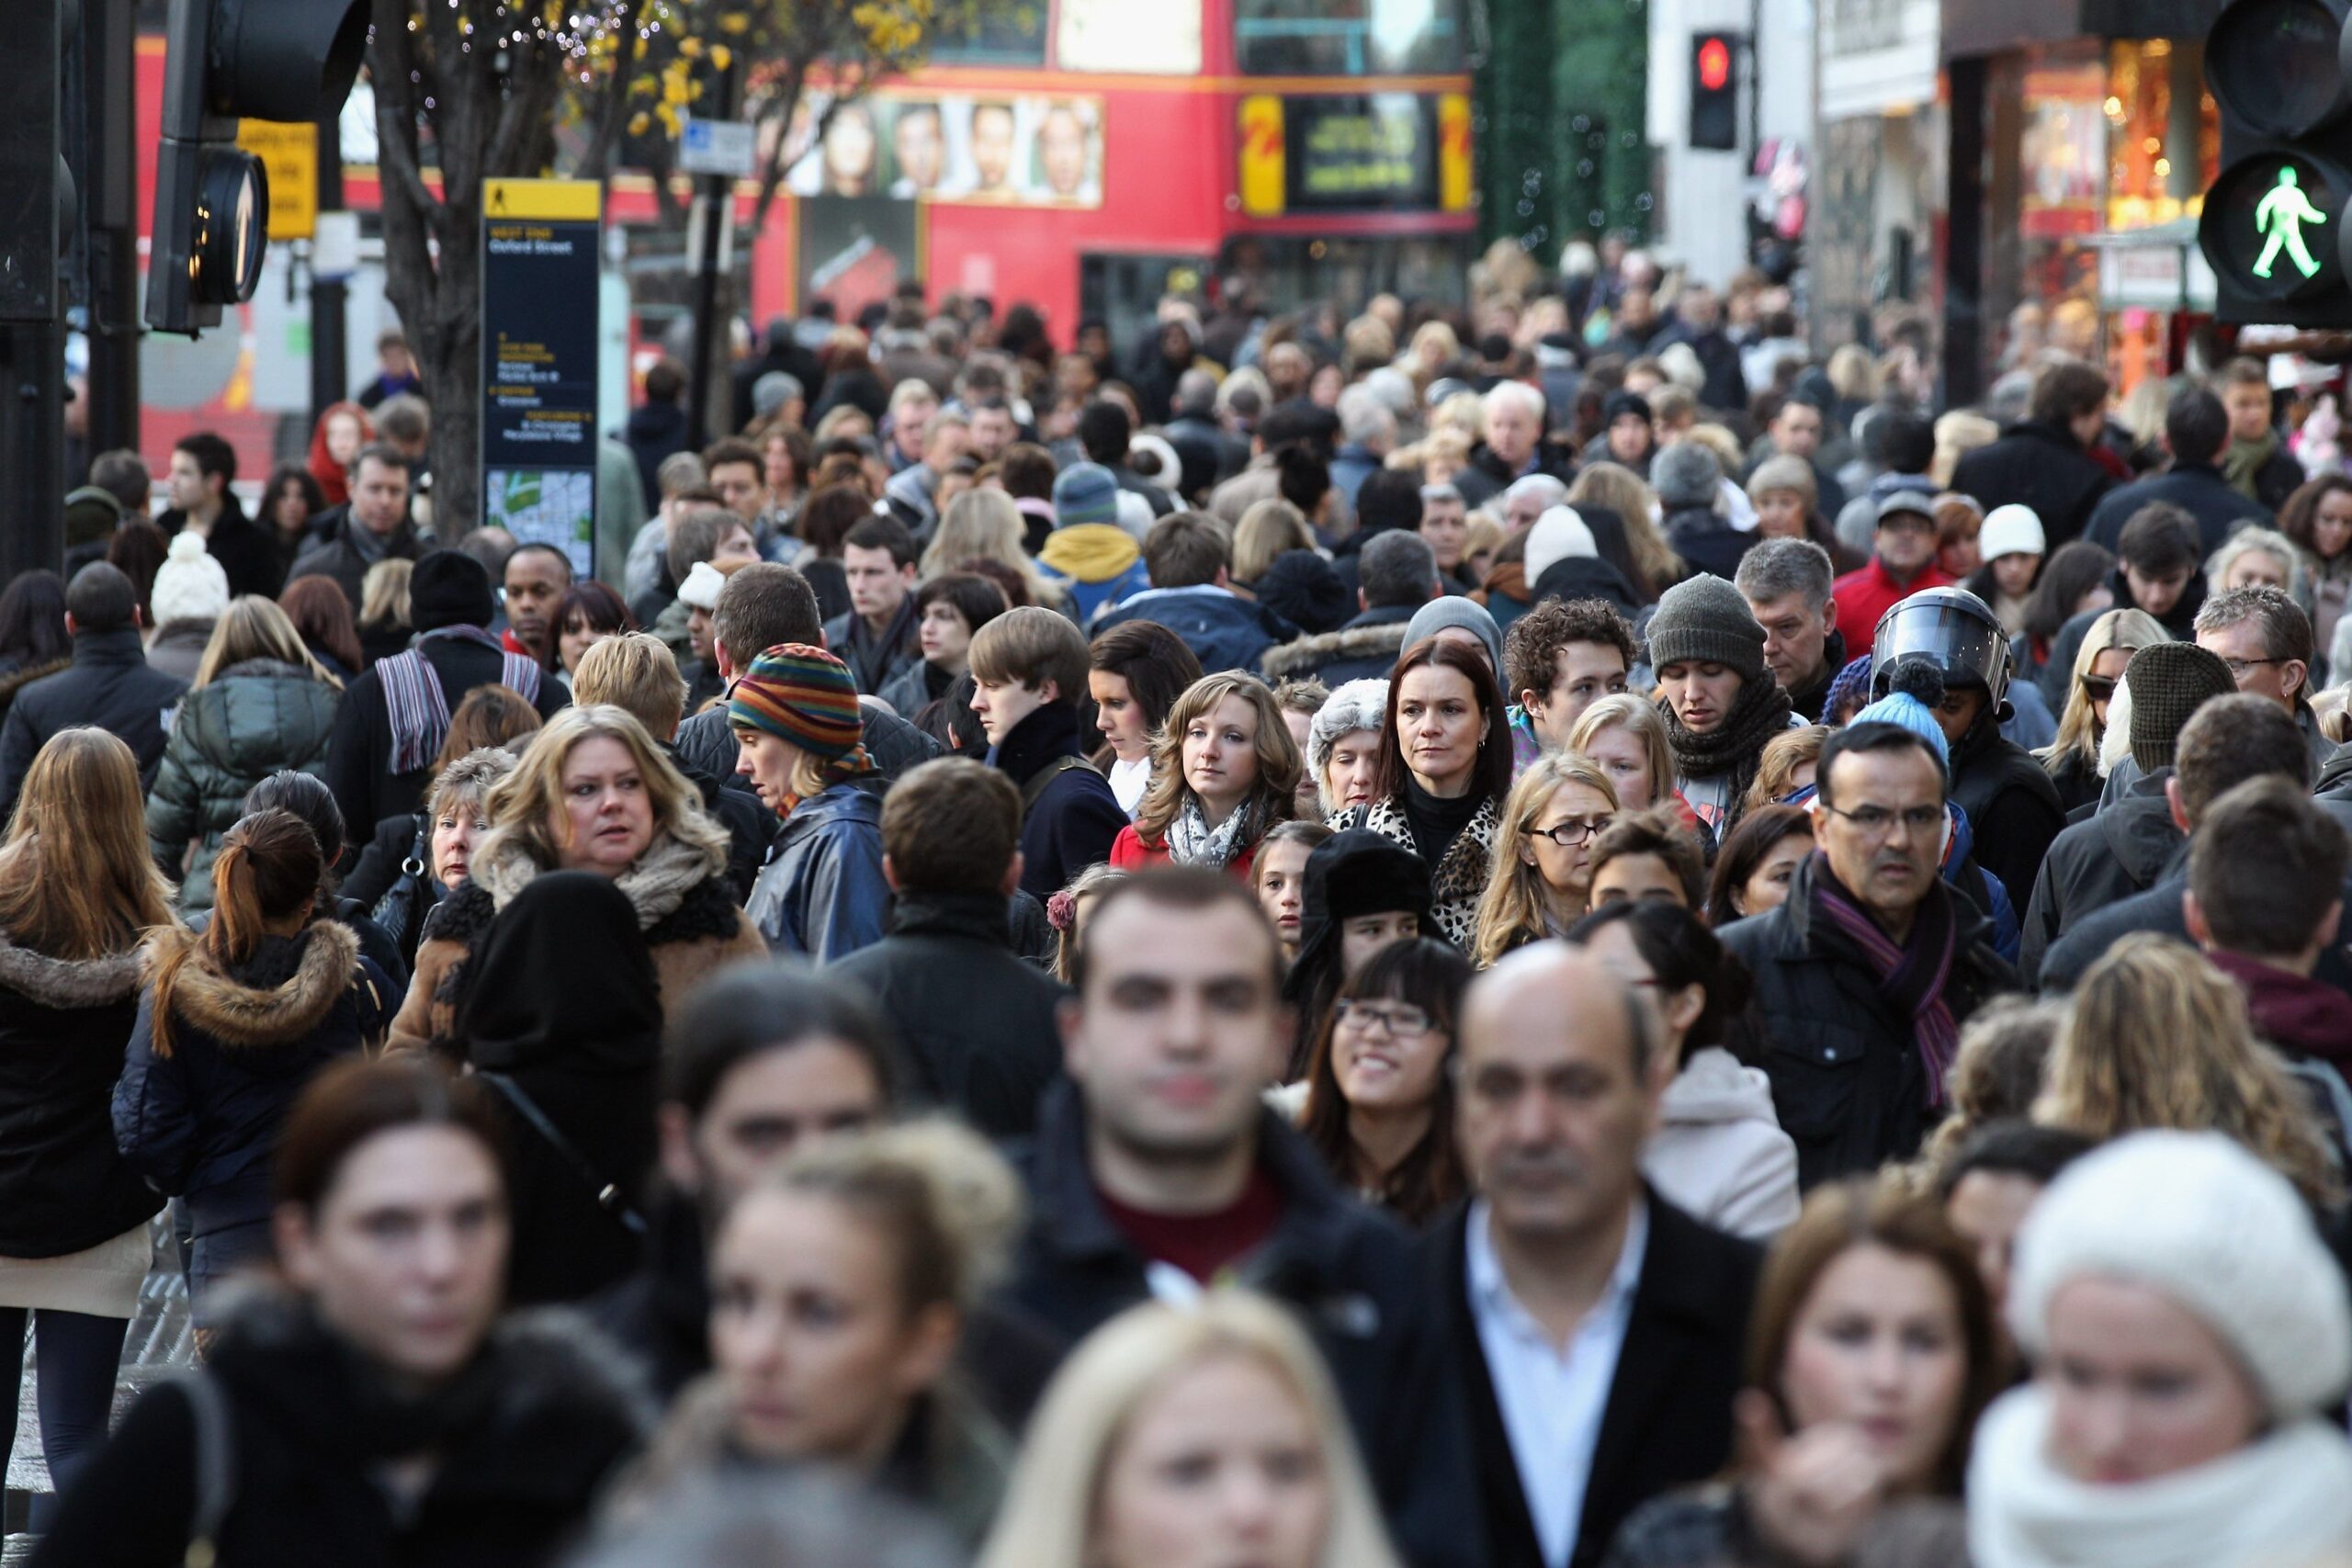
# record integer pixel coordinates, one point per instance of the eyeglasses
(1398, 1022)
(2238, 667)
(2099, 688)
(1574, 831)
(1874, 820)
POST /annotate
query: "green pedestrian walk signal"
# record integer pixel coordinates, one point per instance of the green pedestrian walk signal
(2281, 216)
(2275, 224)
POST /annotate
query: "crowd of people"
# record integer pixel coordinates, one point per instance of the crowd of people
(1538, 935)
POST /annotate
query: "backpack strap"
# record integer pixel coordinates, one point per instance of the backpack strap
(607, 1194)
(1035, 786)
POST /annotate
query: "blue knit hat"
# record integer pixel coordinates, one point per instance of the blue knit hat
(1085, 492)
(1907, 704)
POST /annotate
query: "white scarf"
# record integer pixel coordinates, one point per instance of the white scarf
(1191, 841)
(2282, 1499)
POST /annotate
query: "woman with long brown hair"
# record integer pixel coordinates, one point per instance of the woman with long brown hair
(77, 889)
(1224, 769)
(233, 1022)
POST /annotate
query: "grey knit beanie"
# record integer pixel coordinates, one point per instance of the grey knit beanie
(1705, 620)
(1686, 474)
(1452, 611)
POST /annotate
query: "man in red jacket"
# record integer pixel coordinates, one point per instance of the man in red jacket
(1903, 561)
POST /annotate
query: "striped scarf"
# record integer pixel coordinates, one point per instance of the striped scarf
(1911, 977)
(415, 707)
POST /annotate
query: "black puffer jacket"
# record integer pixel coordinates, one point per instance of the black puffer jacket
(2013, 808)
(1847, 1078)
(111, 685)
(523, 1441)
(63, 1185)
(2096, 863)
(2039, 465)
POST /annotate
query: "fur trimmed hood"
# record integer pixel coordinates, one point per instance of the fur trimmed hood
(241, 1015)
(1309, 654)
(18, 680)
(68, 983)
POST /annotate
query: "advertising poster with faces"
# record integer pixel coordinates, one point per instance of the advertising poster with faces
(1018, 150)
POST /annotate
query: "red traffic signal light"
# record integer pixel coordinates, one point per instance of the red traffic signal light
(1715, 63)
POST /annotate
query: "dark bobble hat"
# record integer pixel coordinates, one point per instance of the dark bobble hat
(2169, 682)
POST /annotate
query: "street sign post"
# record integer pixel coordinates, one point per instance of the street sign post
(721, 147)
(541, 244)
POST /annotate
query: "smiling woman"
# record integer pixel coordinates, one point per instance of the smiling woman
(1380, 1100)
(1224, 769)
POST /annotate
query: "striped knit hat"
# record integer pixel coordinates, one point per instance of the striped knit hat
(804, 695)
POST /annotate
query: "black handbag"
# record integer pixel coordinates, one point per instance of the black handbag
(401, 911)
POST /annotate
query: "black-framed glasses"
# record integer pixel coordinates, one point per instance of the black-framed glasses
(1574, 831)
(1876, 820)
(1396, 1020)
(2238, 667)
(2099, 688)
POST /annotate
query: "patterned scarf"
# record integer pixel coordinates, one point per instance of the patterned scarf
(1910, 977)
(1191, 841)
(416, 709)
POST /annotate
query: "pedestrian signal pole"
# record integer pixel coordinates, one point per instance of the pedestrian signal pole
(2274, 226)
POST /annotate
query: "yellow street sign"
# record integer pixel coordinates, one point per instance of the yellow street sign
(551, 200)
(291, 155)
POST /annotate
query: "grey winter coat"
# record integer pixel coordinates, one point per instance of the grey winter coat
(254, 719)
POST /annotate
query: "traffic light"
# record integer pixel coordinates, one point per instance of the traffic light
(281, 59)
(1714, 92)
(36, 188)
(2274, 221)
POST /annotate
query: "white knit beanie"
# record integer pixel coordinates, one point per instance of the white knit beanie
(1555, 536)
(189, 585)
(2197, 1218)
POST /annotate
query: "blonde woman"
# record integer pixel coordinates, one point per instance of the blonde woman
(1542, 869)
(384, 628)
(2259, 557)
(1790, 762)
(985, 524)
(2107, 647)
(2157, 1037)
(1224, 769)
(1164, 1407)
(592, 793)
(1613, 487)
(1268, 529)
(260, 703)
(1625, 736)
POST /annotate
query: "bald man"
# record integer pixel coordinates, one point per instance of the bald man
(1596, 1331)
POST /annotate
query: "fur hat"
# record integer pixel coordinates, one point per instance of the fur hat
(2198, 1219)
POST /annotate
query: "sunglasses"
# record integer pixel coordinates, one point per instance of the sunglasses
(2099, 688)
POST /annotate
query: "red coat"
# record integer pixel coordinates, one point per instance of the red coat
(1870, 592)
(1130, 853)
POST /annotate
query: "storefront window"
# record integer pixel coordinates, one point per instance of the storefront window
(1346, 37)
(2163, 132)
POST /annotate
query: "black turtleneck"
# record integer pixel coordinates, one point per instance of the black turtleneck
(1436, 822)
(1050, 732)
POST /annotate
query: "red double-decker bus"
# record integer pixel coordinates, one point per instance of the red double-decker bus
(1083, 156)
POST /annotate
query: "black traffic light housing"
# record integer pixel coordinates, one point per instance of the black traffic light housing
(226, 59)
(2276, 219)
(1714, 91)
(36, 187)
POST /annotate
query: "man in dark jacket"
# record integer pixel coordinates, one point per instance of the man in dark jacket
(1189, 557)
(109, 684)
(1689, 481)
(2265, 900)
(2198, 430)
(876, 635)
(657, 426)
(203, 468)
(780, 350)
(2256, 461)
(2046, 462)
(392, 719)
(372, 526)
(2230, 740)
(1868, 971)
(1651, 1305)
(1028, 666)
(977, 1022)
(2131, 842)
(1787, 584)
(763, 605)
(1398, 575)
(2156, 572)
(1158, 1172)
(1514, 445)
